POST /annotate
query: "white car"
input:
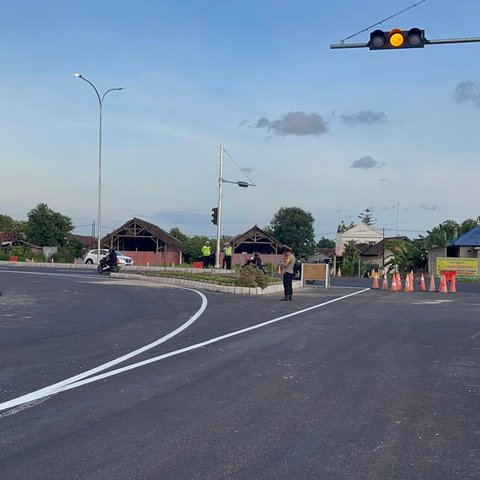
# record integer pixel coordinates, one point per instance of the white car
(92, 257)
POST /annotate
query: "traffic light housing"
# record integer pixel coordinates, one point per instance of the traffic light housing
(215, 216)
(396, 39)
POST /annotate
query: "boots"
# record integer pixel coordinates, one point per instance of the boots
(290, 297)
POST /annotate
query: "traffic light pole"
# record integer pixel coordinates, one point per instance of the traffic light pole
(219, 214)
(427, 42)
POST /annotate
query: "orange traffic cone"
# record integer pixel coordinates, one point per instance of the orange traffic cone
(432, 287)
(423, 288)
(279, 269)
(385, 282)
(393, 288)
(412, 282)
(443, 284)
(453, 286)
(375, 280)
(399, 283)
(339, 273)
(407, 283)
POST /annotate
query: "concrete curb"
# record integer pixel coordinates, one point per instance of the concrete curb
(207, 286)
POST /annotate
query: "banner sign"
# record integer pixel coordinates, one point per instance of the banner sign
(465, 267)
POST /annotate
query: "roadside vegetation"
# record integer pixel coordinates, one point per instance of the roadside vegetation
(247, 277)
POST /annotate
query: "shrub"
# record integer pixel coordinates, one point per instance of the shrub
(252, 277)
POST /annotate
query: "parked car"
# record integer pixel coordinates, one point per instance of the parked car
(92, 257)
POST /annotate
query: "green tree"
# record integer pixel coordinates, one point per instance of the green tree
(192, 247)
(468, 224)
(442, 234)
(69, 252)
(343, 228)
(48, 228)
(294, 227)
(325, 243)
(351, 259)
(366, 217)
(8, 224)
(407, 256)
(179, 235)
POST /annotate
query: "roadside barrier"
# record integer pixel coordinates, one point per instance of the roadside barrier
(450, 276)
(447, 283)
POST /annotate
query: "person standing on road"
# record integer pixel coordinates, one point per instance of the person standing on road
(206, 252)
(287, 265)
(227, 258)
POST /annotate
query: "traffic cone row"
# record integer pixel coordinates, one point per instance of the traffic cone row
(396, 285)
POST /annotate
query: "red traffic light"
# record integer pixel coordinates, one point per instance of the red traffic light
(396, 39)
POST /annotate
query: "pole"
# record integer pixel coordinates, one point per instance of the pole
(383, 251)
(396, 222)
(219, 205)
(99, 207)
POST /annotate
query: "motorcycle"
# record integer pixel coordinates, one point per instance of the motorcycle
(105, 266)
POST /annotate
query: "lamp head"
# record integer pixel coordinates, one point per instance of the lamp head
(76, 74)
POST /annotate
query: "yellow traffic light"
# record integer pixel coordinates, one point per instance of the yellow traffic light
(396, 38)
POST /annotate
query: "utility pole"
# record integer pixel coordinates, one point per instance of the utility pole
(219, 205)
(221, 181)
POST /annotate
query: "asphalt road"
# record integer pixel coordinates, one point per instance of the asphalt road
(102, 378)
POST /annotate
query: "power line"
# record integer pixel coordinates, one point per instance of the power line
(381, 21)
(238, 166)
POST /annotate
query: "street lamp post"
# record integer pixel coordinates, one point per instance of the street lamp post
(99, 207)
(221, 181)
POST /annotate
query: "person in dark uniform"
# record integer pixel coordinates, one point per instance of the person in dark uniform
(287, 265)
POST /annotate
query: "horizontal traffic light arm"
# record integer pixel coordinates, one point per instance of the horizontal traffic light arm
(427, 42)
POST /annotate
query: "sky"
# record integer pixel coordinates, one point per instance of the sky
(327, 130)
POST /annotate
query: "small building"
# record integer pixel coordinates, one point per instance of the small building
(145, 242)
(466, 246)
(256, 240)
(360, 233)
(380, 253)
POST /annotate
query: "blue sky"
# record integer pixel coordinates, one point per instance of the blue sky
(329, 131)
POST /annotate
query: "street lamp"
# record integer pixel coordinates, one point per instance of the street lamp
(221, 181)
(100, 103)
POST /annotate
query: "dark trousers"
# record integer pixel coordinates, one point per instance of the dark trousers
(228, 262)
(287, 284)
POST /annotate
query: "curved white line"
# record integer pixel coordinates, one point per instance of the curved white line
(57, 387)
(38, 395)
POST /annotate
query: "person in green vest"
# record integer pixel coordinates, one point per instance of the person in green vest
(227, 258)
(206, 252)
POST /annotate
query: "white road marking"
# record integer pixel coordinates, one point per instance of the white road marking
(79, 380)
(46, 391)
(432, 302)
(76, 275)
(475, 336)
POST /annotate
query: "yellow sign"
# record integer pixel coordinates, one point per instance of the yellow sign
(465, 267)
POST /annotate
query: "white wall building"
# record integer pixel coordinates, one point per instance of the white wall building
(360, 233)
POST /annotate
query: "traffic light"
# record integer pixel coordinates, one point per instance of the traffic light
(215, 216)
(397, 39)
